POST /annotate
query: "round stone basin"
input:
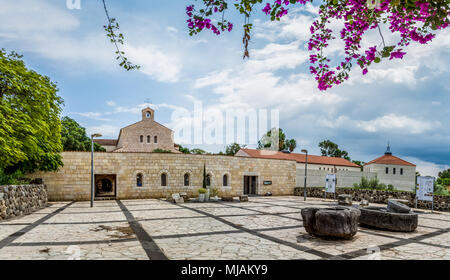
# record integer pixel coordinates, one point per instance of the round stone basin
(379, 217)
(336, 222)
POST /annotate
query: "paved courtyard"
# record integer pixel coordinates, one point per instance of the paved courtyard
(263, 228)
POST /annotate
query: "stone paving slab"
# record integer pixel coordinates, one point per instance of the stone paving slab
(263, 228)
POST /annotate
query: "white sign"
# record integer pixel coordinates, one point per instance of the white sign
(425, 188)
(330, 184)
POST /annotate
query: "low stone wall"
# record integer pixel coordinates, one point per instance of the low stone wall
(441, 203)
(21, 200)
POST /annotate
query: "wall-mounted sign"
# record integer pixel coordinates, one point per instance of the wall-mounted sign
(267, 182)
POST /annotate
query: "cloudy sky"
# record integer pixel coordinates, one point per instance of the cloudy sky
(406, 102)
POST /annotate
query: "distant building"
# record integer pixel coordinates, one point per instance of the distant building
(388, 169)
(143, 136)
(393, 170)
(330, 164)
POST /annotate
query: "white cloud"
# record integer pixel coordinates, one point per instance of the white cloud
(54, 33)
(399, 124)
(426, 168)
(159, 65)
(106, 130)
(392, 123)
(91, 115)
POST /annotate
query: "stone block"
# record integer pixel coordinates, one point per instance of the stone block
(395, 206)
(345, 199)
(243, 198)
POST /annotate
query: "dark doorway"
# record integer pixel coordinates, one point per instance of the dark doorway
(250, 185)
(105, 185)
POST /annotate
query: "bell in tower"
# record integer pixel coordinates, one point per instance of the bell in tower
(148, 114)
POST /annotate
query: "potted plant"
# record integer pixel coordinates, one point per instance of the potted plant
(215, 194)
(201, 194)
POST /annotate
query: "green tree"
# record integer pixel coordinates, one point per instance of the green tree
(444, 174)
(204, 176)
(184, 150)
(330, 149)
(198, 152)
(30, 128)
(283, 142)
(74, 137)
(360, 163)
(233, 148)
(291, 144)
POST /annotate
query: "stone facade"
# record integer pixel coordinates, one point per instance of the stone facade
(441, 203)
(143, 136)
(20, 200)
(72, 182)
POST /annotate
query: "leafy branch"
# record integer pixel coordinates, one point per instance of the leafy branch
(117, 38)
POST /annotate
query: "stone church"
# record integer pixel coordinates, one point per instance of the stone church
(145, 136)
(132, 169)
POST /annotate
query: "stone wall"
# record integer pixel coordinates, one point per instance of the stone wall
(346, 179)
(72, 182)
(20, 200)
(316, 178)
(441, 203)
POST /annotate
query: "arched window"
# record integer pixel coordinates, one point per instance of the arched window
(164, 180)
(142, 138)
(186, 179)
(148, 138)
(208, 180)
(148, 115)
(401, 171)
(139, 180)
(156, 139)
(225, 180)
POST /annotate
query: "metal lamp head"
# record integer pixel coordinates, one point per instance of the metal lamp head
(305, 151)
(96, 135)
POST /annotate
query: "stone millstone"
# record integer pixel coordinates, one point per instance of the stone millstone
(345, 200)
(337, 222)
(364, 203)
(379, 217)
(243, 198)
(397, 207)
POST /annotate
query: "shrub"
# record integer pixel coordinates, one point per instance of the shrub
(161, 151)
(214, 192)
(201, 190)
(372, 183)
(16, 178)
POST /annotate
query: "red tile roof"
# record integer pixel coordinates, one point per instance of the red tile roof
(390, 159)
(106, 142)
(300, 158)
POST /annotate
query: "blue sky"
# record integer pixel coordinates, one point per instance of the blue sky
(406, 102)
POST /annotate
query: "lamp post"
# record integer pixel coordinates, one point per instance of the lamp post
(306, 169)
(92, 166)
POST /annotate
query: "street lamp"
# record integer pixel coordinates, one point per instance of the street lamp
(306, 169)
(92, 166)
